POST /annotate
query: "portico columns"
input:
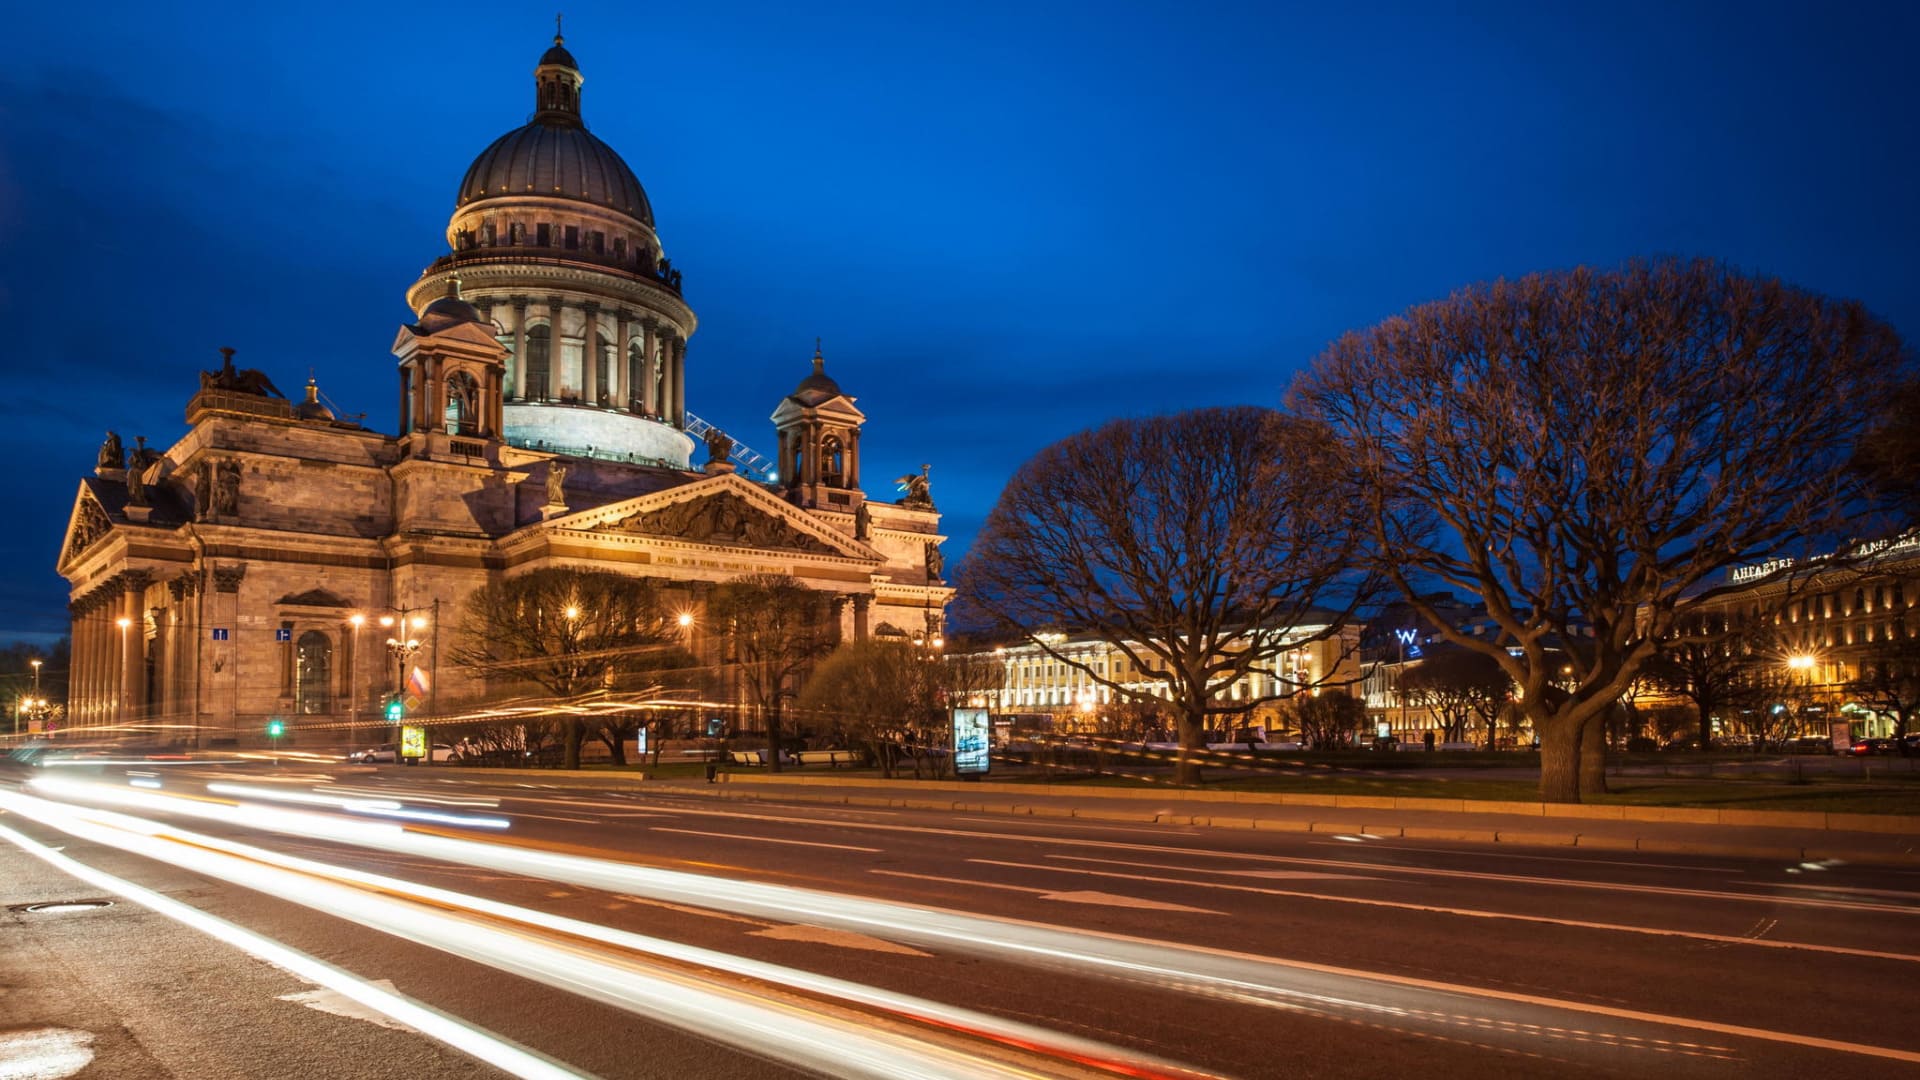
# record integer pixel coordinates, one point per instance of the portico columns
(519, 348)
(133, 647)
(649, 373)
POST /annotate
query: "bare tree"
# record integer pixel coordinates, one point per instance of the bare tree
(1201, 546)
(776, 628)
(1458, 686)
(1326, 721)
(1580, 450)
(879, 693)
(570, 632)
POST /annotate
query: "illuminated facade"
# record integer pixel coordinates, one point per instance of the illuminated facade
(278, 561)
(1041, 683)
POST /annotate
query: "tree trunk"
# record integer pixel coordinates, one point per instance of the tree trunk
(1593, 754)
(615, 738)
(1186, 768)
(1559, 759)
(1705, 705)
(773, 740)
(576, 733)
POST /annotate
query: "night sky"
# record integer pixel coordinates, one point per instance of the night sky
(1008, 222)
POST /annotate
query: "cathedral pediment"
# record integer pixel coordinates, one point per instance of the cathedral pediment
(721, 518)
(725, 512)
(86, 527)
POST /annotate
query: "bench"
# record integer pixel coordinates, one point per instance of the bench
(831, 758)
(749, 757)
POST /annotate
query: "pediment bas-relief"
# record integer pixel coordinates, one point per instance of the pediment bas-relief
(725, 518)
(89, 524)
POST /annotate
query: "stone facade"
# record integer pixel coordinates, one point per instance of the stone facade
(244, 573)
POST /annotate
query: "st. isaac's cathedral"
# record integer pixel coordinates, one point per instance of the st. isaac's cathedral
(258, 567)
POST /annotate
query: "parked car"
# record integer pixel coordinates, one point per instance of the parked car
(1864, 747)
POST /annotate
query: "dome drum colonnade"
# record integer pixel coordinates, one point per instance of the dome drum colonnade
(554, 245)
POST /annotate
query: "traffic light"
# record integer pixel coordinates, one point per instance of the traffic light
(275, 729)
(396, 710)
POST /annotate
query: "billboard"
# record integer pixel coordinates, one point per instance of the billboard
(972, 735)
(413, 742)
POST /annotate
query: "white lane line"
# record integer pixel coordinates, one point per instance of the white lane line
(844, 939)
(1440, 909)
(551, 817)
(45, 1053)
(332, 1001)
(1077, 897)
(689, 909)
(763, 839)
(487, 1047)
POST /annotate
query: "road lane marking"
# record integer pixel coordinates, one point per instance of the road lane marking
(844, 939)
(506, 1056)
(763, 839)
(1103, 899)
(551, 817)
(332, 1001)
(1438, 909)
(45, 1053)
(689, 909)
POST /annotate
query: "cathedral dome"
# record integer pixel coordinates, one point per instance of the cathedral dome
(555, 161)
(555, 156)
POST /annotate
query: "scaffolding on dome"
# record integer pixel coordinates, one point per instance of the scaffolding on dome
(755, 466)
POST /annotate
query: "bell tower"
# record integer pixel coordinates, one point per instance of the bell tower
(452, 378)
(819, 433)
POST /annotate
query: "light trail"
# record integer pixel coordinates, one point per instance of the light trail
(378, 807)
(573, 956)
(487, 1047)
(1507, 1019)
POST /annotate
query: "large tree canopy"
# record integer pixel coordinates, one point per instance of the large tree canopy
(1200, 545)
(1581, 450)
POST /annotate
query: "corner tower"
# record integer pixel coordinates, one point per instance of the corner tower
(553, 239)
(819, 432)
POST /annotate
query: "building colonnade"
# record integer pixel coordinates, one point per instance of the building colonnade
(645, 375)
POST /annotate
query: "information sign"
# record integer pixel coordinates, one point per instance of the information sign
(972, 730)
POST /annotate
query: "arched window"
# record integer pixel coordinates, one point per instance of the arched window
(832, 463)
(602, 349)
(539, 363)
(312, 674)
(463, 405)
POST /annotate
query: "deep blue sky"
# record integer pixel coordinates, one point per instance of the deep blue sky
(1008, 222)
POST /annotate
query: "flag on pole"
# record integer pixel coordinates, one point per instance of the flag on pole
(417, 683)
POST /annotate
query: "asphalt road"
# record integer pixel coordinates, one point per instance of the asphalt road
(399, 923)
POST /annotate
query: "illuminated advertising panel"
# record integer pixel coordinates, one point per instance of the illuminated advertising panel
(413, 742)
(972, 729)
